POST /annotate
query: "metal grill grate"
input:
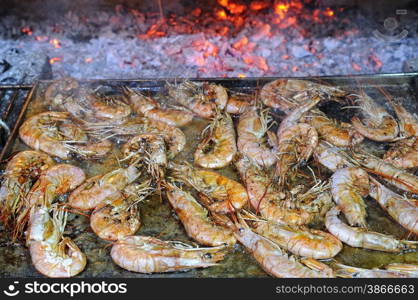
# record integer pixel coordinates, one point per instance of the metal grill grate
(12, 98)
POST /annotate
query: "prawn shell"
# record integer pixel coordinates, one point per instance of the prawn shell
(274, 260)
(50, 264)
(196, 222)
(302, 241)
(112, 228)
(348, 187)
(57, 180)
(35, 137)
(252, 139)
(150, 255)
(223, 151)
(237, 195)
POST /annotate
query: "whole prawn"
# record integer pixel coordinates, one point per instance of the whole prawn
(150, 108)
(266, 198)
(331, 157)
(354, 272)
(362, 238)
(174, 138)
(84, 103)
(56, 93)
(56, 134)
(401, 209)
(408, 269)
(203, 98)
(295, 142)
(229, 194)
(120, 218)
(148, 150)
(275, 261)
(408, 122)
(398, 177)
(379, 125)
(218, 147)
(52, 254)
(348, 187)
(404, 153)
(145, 254)
(295, 115)
(196, 220)
(22, 170)
(287, 94)
(299, 240)
(339, 134)
(56, 181)
(254, 138)
(294, 147)
(102, 188)
(239, 103)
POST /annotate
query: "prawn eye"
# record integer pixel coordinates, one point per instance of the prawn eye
(241, 230)
(207, 256)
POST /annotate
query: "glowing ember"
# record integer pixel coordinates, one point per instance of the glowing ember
(236, 8)
(281, 9)
(196, 12)
(55, 43)
(241, 75)
(223, 3)
(54, 60)
(356, 67)
(27, 30)
(88, 60)
(377, 63)
(41, 38)
(329, 12)
(221, 14)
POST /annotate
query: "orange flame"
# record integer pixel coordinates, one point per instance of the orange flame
(221, 14)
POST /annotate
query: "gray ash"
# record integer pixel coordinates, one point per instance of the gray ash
(236, 38)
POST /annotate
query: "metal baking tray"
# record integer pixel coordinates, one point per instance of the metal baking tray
(158, 219)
